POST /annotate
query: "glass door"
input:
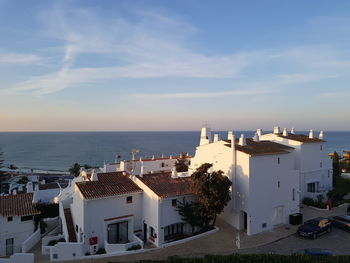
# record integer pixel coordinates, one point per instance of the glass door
(9, 247)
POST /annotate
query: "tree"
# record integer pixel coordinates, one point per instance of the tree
(181, 165)
(2, 172)
(212, 190)
(75, 169)
(23, 180)
(336, 165)
(190, 212)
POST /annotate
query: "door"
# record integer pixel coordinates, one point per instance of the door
(118, 233)
(9, 247)
(278, 215)
(144, 232)
(245, 220)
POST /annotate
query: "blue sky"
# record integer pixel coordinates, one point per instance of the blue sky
(173, 65)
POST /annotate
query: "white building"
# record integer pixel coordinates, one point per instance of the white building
(309, 158)
(16, 222)
(264, 181)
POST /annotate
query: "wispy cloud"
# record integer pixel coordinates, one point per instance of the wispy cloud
(22, 59)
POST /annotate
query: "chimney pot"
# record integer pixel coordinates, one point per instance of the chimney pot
(292, 131)
(311, 134)
(256, 137)
(285, 133)
(216, 137)
(276, 130)
(259, 132)
(242, 140)
(321, 136)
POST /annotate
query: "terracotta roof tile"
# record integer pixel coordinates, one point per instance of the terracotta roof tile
(163, 185)
(261, 147)
(17, 205)
(301, 138)
(108, 184)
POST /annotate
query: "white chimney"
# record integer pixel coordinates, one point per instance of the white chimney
(259, 132)
(276, 130)
(256, 138)
(205, 136)
(285, 132)
(140, 159)
(233, 141)
(229, 135)
(14, 191)
(242, 141)
(321, 135)
(311, 134)
(30, 187)
(162, 155)
(216, 137)
(153, 157)
(142, 170)
(36, 187)
(94, 175)
(174, 173)
(292, 131)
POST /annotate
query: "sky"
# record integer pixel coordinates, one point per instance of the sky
(174, 65)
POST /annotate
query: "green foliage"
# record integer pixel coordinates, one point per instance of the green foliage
(75, 169)
(254, 258)
(311, 202)
(134, 247)
(54, 242)
(101, 251)
(212, 190)
(23, 180)
(336, 165)
(190, 212)
(181, 165)
(341, 187)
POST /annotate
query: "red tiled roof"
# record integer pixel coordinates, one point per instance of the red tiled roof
(17, 205)
(108, 184)
(163, 185)
(158, 159)
(261, 147)
(300, 138)
(48, 186)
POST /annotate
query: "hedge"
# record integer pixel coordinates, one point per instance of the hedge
(254, 258)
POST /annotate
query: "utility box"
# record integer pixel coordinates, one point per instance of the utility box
(296, 219)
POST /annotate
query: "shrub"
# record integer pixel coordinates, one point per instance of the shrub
(308, 201)
(134, 247)
(101, 251)
(61, 240)
(52, 242)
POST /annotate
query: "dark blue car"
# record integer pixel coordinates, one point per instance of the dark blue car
(315, 227)
(314, 252)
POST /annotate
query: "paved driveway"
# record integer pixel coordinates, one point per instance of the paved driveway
(281, 240)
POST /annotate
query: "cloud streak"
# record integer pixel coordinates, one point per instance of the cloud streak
(20, 59)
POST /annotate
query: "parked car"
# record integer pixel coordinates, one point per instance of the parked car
(315, 227)
(314, 252)
(342, 222)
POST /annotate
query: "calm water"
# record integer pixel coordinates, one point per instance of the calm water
(59, 150)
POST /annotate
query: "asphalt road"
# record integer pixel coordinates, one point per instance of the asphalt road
(338, 241)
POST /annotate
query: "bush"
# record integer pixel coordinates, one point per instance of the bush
(308, 201)
(61, 240)
(101, 251)
(134, 247)
(253, 258)
(52, 242)
(341, 188)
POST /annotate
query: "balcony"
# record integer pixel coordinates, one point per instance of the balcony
(118, 248)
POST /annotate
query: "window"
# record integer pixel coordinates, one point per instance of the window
(163, 165)
(171, 231)
(264, 225)
(129, 199)
(174, 202)
(312, 187)
(76, 228)
(9, 219)
(293, 194)
(278, 184)
(320, 147)
(152, 232)
(26, 218)
(320, 164)
(118, 233)
(278, 160)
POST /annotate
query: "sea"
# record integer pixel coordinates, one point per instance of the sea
(57, 151)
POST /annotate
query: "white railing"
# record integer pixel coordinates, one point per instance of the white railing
(115, 248)
(19, 258)
(31, 241)
(45, 248)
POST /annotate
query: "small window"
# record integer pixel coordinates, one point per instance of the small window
(26, 218)
(278, 160)
(163, 165)
(174, 202)
(76, 228)
(9, 219)
(54, 256)
(129, 199)
(293, 194)
(264, 225)
(320, 164)
(321, 148)
(278, 184)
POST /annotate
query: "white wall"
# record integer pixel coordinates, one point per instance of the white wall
(15, 229)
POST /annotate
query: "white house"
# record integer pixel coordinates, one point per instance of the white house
(161, 193)
(16, 222)
(264, 181)
(310, 159)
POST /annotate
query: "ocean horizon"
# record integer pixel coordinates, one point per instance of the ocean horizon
(57, 151)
